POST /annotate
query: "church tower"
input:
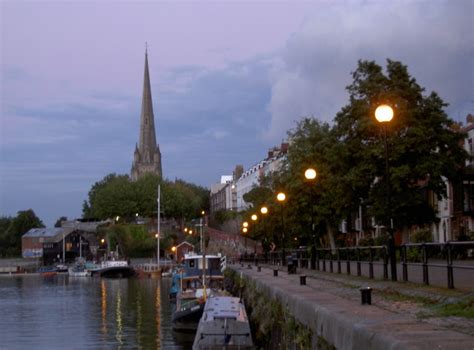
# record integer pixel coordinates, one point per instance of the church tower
(147, 156)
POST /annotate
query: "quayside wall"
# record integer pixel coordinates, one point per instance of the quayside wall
(287, 315)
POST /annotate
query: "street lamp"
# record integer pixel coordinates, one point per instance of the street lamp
(310, 175)
(245, 224)
(254, 217)
(384, 114)
(281, 198)
(264, 211)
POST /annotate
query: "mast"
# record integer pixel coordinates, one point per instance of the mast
(158, 233)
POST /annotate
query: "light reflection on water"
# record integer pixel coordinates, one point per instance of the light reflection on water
(85, 313)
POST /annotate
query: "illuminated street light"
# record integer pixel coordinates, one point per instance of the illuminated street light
(384, 114)
(244, 230)
(254, 217)
(173, 249)
(281, 198)
(310, 175)
(264, 211)
(245, 224)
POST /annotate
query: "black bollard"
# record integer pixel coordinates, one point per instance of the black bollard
(259, 268)
(303, 280)
(275, 272)
(249, 267)
(366, 295)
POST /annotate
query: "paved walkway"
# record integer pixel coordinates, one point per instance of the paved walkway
(331, 306)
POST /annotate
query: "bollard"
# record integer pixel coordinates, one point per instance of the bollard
(303, 280)
(259, 268)
(249, 267)
(275, 272)
(366, 295)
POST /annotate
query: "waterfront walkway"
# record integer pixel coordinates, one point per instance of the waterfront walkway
(399, 318)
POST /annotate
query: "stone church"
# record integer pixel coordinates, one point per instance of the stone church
(147, 156)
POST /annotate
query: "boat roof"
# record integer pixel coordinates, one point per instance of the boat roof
(225, 307)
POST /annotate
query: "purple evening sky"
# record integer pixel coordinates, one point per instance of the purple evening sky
(228, 80)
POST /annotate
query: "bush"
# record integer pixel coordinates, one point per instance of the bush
(421, 236)
(366, 242)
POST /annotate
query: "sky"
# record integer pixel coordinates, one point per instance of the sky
(228, 79)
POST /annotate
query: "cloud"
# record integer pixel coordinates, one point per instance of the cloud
(435, 40)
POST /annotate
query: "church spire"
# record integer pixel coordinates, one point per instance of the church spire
(148, 157)
(147, 122)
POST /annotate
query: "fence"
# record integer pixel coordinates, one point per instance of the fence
(451, 256)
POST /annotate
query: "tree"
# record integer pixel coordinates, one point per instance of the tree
(14, 228)
(61, 219)
(314, 145)
(117, 195)
(423, 147)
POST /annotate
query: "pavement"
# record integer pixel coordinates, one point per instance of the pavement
(401, 315)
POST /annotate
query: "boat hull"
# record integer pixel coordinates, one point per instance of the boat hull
(187, 320)
(114, 272)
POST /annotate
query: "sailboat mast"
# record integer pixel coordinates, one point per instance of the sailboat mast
(158, 233)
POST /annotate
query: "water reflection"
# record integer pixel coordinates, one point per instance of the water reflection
(104, 307)
(118, 318)
(86, 313)
(158, 313)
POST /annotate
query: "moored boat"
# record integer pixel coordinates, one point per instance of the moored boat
(114, 269)
(223, 325)
(79, 270)
(199, 279)
(48, 271)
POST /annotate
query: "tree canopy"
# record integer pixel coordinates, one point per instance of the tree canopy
(349, 157)
(116, 195)
(11, 230)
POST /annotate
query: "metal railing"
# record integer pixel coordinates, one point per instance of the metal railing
(446, 250)
(455, 255)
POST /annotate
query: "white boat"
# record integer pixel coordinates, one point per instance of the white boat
(78, 271)
(224, 325)
(114, 268)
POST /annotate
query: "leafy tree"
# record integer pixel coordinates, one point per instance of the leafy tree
(349, 158)
(117, 195)
(12, 229)
(423, 147)
(58, 222)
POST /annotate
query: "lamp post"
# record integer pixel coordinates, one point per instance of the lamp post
(310, 176)
(281, 198)
(254, 219)
(264, 211)
(245, 226)
(384, 114)
(245, 230)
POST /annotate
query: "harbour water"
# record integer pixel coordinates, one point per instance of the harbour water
(61, 312)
